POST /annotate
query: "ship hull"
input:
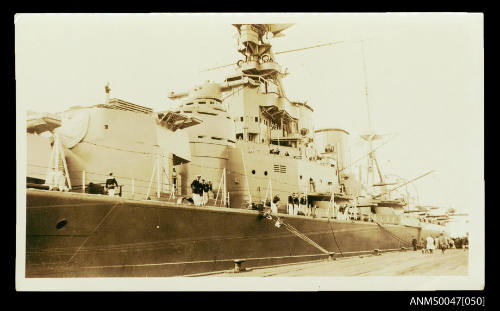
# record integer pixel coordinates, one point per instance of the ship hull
(81, 235)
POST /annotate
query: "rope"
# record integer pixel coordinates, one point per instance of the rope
(93, 231)
(298, 233)
(393, 235)
(334, 238)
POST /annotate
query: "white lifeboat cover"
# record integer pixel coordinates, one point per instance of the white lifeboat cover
(74, 128)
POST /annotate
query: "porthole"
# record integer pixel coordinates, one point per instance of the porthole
(265, 173)
(61, 224)
(300, 176)
(253, 172)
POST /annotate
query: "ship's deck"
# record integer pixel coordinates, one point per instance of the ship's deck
(155, 203)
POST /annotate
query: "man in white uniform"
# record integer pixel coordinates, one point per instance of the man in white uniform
(430, 244)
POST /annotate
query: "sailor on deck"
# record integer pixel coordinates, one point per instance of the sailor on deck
(205, 189)
(312, 185)
(196, 187)
(295, 203)
(210, 190)
(110, 185)
(174, 180)
(290, 204)
(303, 204)
(274, 204)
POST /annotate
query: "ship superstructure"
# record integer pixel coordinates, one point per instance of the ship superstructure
(130, 141)
(272, 146)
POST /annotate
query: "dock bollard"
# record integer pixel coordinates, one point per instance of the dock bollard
(376, 252)
(237, 265)
(331, 256)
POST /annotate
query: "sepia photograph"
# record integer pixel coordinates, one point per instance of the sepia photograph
(250, 151)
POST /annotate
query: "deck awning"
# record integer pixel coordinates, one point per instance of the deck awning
(276, 114)
(40, 123)
(172, 141)
(326, 196)
(174, 120)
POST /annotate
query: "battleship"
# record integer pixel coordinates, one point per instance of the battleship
(246, 136)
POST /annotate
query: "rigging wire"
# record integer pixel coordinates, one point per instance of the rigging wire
(393, 235)
(334, 238)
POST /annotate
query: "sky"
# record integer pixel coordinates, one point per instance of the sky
(424, 74)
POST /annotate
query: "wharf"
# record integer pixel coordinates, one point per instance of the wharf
(454, 262)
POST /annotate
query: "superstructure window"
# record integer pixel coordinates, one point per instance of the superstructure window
(256, 119)
(202, 103)
(189, 104)
(241, 119)
(105, 126)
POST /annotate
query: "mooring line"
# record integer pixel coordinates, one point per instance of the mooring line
(334, 238)
(93, 231)
(297, 233)
(393, 235)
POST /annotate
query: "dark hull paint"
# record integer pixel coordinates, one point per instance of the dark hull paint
(114, 237)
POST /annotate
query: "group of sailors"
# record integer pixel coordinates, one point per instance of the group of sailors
(441, 242)
(297, 205)
(277, 152)
(202, 191)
